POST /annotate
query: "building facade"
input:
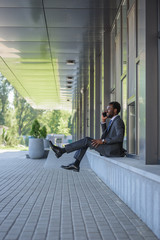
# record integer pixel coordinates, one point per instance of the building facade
(125, 69)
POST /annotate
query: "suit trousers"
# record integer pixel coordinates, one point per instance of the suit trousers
(81, 146)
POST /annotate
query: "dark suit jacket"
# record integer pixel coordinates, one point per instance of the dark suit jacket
(114, 138)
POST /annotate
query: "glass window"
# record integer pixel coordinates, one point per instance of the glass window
(124, 37)
(113, 71)
(118, 68)
(141, 106)
(132, 52)
(131, 3)
(124, 109)
(113, 96)
(102, 78)
(118, 24)
(132, 129)
(118, 57)
(141, 26)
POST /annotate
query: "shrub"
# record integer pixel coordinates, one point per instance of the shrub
(37, 131)
(43, 132)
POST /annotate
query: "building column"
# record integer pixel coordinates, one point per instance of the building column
(91, 85)
(97, 95)
(85, 102)
(78, 120)
(74, 127)
(81, 115)
(159, 81)
(151, 82)
(107, 61)
(74, 118)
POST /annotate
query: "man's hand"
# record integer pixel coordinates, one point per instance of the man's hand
(96, 143)
(103, 118)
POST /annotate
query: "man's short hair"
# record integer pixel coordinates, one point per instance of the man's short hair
(116, 105)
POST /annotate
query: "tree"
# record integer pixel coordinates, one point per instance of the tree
(70, 124)
(54, 122)
(65, 126)
(51, 119)
(57, 121)
(5, 89)
(24, 114)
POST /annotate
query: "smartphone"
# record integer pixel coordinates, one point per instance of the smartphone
(104, 114)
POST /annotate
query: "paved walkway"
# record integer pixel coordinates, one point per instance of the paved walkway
(40, 201)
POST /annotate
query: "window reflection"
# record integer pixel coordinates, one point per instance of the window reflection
(124, 109)
(132, 52)
(131, 3)
(124, 37)
(132, 128)
(113, 71)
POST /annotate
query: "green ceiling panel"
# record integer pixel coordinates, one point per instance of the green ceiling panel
(38, 37)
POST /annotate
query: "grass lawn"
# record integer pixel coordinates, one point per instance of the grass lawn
(18, 148)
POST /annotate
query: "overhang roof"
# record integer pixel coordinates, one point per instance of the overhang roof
(37, 37)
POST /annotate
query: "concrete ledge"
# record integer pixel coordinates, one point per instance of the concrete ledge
(137, 184)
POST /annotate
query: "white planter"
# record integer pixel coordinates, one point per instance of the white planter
(36, 148)
(46, 143)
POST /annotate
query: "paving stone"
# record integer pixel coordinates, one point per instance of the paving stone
(136, 237)
(95, 236)
(2, 234)
(121, 235)
(151, 238)
(108, 237)
(41, 201)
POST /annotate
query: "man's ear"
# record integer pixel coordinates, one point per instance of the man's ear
(115, 111)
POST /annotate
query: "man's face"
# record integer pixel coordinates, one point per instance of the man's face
(111, 111)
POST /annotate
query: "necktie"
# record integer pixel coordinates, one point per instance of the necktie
(106, 131)
(109, 125)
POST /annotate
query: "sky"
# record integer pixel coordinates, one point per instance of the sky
(11, 98)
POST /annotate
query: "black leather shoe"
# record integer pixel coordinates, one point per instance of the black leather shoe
(71, 167)
(57, 150)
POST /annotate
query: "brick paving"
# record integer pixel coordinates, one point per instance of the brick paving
(40, 201)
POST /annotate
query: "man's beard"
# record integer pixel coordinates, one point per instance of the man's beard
(109, 116)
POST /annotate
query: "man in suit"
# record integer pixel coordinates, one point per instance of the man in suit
(110, 144)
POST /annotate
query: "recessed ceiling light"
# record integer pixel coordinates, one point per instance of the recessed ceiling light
(69, 77)
(70, 62)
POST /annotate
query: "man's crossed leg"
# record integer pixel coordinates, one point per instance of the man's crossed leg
(80, 147)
